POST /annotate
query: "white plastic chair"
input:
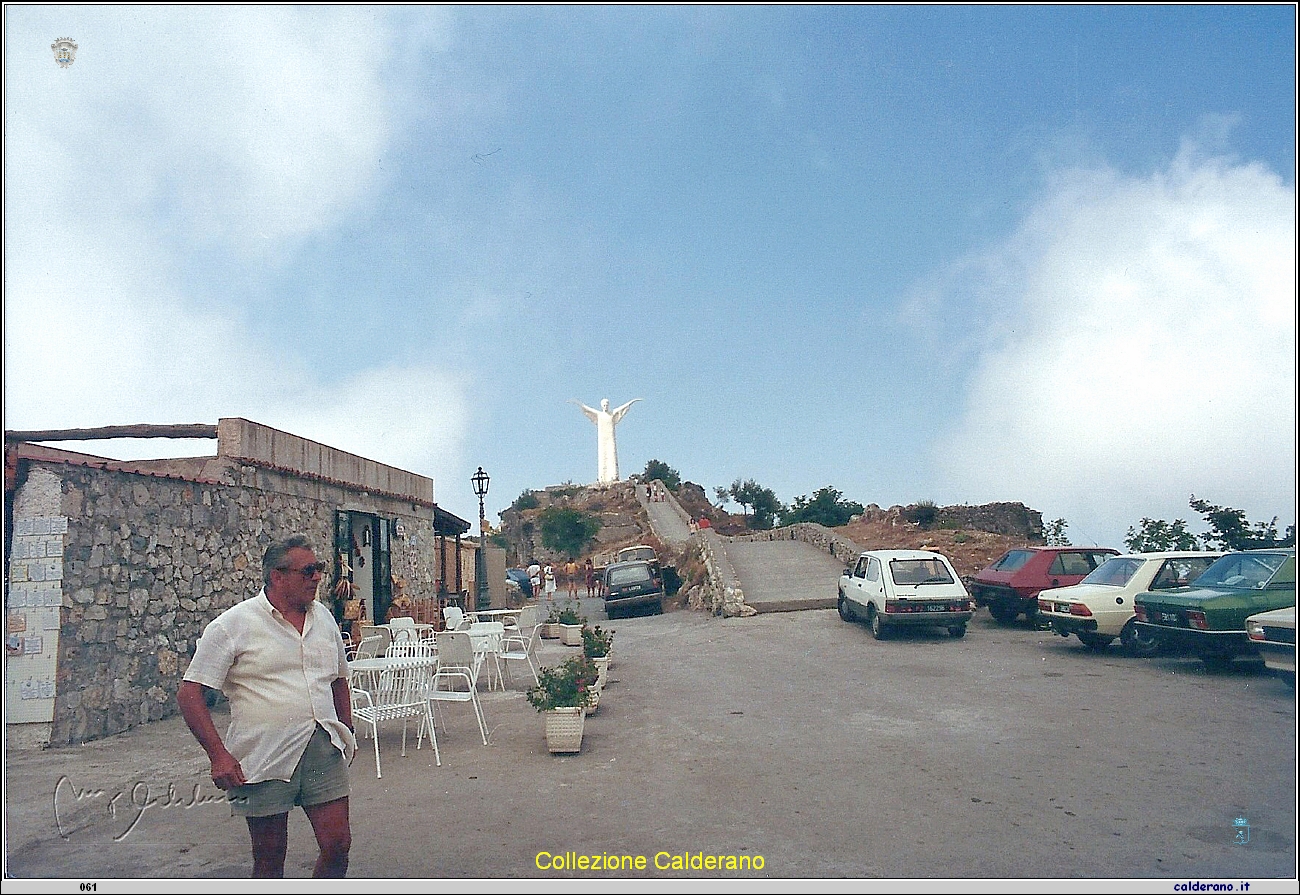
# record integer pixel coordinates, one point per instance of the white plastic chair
(521, 642)
(454, 616)
(458, 665)
(401, 694)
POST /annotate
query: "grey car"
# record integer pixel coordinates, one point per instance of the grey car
(632, 585)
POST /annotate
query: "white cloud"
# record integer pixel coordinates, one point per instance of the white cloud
(179, 133)
(1140, 347)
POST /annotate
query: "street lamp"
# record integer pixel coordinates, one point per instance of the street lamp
(481, 600)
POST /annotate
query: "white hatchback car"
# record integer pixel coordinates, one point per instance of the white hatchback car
(892, 588)
(1100, 607)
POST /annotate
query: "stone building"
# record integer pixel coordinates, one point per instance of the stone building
(113, 568)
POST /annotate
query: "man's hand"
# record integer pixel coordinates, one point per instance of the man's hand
(226, 771)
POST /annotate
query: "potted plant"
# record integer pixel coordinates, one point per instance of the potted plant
(571, 626)
(551, 627)
(564, 693)
(596, 646)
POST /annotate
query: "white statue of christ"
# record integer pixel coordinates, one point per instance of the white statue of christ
(606, 449)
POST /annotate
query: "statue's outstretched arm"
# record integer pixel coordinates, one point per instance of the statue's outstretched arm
(617, 413)
(592, 415)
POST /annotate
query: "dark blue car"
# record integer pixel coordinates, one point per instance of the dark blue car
(520, 577)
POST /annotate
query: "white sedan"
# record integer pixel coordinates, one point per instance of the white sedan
(1273, 634)
(1100, 607)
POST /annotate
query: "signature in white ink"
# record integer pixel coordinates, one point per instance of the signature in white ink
(125, 806)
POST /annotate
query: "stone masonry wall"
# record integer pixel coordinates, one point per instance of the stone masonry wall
(149, 561)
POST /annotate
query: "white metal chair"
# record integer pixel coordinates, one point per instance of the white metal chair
(401, 694)
(486, 638)
(521, 642)
(383, 632)
(458, 665)
(368, 648)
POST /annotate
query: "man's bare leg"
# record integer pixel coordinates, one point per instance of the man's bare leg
(270, 843)
(334, 836)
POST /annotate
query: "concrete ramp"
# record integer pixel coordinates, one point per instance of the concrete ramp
(783, 576)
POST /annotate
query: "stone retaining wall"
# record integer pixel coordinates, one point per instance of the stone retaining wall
(722, 595)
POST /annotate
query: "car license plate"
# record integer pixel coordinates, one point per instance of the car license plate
(1169, 618)
(935, 607)
(1063, 608)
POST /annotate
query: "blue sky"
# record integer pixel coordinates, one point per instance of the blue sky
(960, 254)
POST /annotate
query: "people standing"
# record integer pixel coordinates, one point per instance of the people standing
(571, 576)
(549, 574)
(589, 572)
(280, 660)
(535, 578)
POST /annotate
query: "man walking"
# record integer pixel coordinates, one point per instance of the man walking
(280, 660)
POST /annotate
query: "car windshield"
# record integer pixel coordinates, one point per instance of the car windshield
(919, 571)
(1244, 570)
(636, 553)
(1114, 572)
(637, 574)
(1013, 560)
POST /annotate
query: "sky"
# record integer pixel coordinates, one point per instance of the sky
(959, 254)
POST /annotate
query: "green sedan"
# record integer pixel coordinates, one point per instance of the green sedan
(1209, 618)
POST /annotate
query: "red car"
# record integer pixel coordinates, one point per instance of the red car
(1010, 585)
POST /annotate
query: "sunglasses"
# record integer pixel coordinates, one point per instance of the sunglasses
(308, 571)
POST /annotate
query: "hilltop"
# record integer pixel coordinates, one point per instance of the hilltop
(970, 536)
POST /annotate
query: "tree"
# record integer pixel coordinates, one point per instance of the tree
(763, 500)
(657, 469)
(923, 513)
(824, 507)
(525, 501)
(1054, 533)
(722, 494)
(567, 531)
(1230, 530)
(1157, 534)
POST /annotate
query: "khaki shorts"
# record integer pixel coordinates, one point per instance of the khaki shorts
(321, 776)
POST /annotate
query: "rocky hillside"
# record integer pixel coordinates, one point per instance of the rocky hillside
(971, 536)
(622, 521)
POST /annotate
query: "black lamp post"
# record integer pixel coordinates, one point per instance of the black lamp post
(482, 599)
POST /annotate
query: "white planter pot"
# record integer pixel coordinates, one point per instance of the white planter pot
(550, 630)
(571, 635)
(602, 669)
(564, 729)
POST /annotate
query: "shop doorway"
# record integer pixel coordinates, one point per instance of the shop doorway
(364, 541)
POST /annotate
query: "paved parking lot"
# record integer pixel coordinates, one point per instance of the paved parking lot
(790, 736)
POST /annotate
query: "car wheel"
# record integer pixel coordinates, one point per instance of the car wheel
(1136, 643)
(1094, 641)
(957, 630)
(1002, 613)
(1216, 661)
(659, 607)
(846, 611)
(877, 626)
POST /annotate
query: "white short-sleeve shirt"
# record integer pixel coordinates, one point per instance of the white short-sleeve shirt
(279, 683)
